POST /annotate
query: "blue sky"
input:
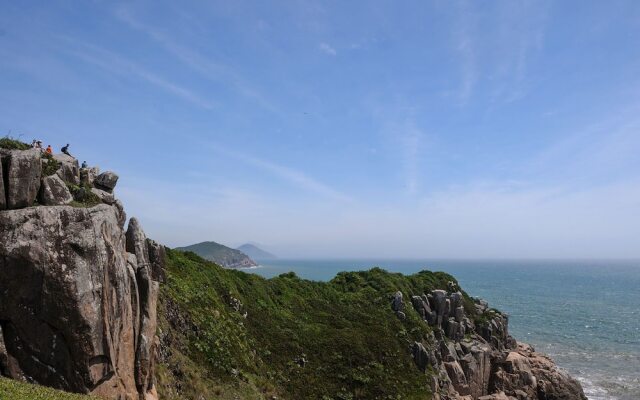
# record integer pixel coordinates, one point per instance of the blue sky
(346, 129)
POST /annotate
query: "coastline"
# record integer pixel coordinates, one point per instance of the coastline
(557, 318)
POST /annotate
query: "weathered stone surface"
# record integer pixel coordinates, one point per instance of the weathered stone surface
(54, 192)
(3, 195)
(397, 304)
(157, 257)
(487, 363)
(104, 196)
(69, 169)
(137, 244)
(73, 312)
(88, 175)
(21, 170)
(420, 355)
(106, 181)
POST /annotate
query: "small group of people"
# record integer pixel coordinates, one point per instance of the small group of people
(37, 144)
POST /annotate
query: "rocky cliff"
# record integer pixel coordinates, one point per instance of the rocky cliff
(480, 360)
(78, 294)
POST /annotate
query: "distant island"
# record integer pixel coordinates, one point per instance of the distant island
(221, 255)
(255, 252)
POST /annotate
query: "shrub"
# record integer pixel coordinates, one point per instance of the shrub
(50, 166)
(12, 143)
(83, 196)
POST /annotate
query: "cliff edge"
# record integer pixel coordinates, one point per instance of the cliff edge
(78, 294)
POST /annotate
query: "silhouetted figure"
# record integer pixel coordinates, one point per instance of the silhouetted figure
(65, 150)
(84, 164)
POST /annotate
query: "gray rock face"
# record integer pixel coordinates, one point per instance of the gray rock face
(106, 181)
(105, 197)
(77, 312)
(69, 169)
(396, 303)
(54, 192)
(88, 175)
(21, 170)
(482, 362)
(3, 195)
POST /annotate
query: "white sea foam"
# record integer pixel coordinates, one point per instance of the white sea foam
(593, 391)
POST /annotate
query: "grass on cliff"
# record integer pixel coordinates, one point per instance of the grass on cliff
(14, 390)
(12, 143)
(299, 340)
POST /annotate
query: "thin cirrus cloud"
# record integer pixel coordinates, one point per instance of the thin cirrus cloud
(205, 66)
(327, 49)
(298, 178)
(119, 65)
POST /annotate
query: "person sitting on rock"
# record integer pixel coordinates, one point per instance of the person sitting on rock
(49, 151)
(84, 165)
(65, 150)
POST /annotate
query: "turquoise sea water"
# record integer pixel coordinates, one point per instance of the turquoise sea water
(584, 314)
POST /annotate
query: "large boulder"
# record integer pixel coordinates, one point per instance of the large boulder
(106, 181)
(21, 171)
(54, 192)
(69, 169)
(75, 310)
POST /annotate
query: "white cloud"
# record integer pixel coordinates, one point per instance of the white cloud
(327, 49)
(298, 178)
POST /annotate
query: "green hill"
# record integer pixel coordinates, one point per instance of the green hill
(229, 334)
(220, 254)
(255, 252)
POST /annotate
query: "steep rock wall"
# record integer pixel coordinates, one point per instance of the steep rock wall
(480, 360)
(77, 311)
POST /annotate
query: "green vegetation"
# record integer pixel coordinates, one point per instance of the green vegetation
(12, 143)
(83, 196)
(50, 166)
(299, 340)
(14, 390)
(220, 254)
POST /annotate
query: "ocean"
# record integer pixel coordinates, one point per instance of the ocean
(584, 314)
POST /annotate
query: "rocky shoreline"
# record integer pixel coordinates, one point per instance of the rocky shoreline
(478, 359)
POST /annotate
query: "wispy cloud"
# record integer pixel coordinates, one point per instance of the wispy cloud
(293, 176)
(464, 46)
(327, 49)
(495, 49)
(205, 66)
(117, 64)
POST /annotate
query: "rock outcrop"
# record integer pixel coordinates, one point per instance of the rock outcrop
(477, 358)
(77, 295)
(21, 177)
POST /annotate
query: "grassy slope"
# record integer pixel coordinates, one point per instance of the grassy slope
(14, 390)
(354, 345)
